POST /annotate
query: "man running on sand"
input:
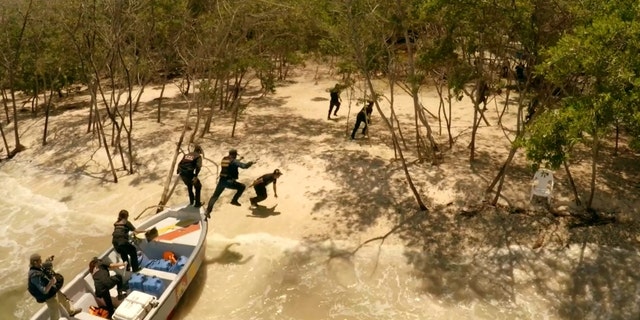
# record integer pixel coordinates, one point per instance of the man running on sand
(228, 176)
(260, 185)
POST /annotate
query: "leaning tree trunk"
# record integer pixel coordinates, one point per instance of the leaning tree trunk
(166, 194)
(164, 83)
(573, 185)
(4, 139)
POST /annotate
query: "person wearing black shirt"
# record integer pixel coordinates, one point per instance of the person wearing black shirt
(228, 179)
(260, 185)
(334, 94)
(121, 243)
(188, 169)
(104, 281)
(364, 116)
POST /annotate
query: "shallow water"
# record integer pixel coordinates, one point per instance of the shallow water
(262, 276)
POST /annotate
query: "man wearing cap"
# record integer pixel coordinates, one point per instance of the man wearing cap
(188, 169)
(260, 185)
(228, 179)
(42, 286)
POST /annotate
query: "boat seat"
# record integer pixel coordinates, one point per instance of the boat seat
(157, 273)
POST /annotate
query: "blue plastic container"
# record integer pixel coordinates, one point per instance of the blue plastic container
(153, 286)
(136, 282)
(182, 261)
(160, 265)
(143, 261)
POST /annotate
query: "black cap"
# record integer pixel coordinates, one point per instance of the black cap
(277, 171)
(233, 152)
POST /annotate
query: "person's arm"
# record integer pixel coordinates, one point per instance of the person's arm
(198, 166)
(117, 265)
(275, 192)
(43, 289)
(242, 164)
(257, 181)
(133, 229)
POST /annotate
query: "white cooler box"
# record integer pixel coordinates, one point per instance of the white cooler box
(135, 306)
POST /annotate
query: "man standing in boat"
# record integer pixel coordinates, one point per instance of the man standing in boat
(120, 240)
(228, 179)
(188, 169)
(44, 287)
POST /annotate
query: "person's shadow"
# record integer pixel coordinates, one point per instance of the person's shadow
(259, 211)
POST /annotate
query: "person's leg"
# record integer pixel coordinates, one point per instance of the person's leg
(54, 308)
(330, 109)
(366, 125)
(239, 187)
(198, 186)
(123, 255)
(216, 194)
(188, 181)
(64, 302)
(132, 256)
(335, 113)
(108, 303)
(355, 128)
(261, 193)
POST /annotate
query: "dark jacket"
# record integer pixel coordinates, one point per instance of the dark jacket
(229, 168)
(121, 231)
(38, 281)
(101, 278)
(190, 164)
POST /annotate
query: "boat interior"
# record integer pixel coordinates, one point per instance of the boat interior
(179, 231)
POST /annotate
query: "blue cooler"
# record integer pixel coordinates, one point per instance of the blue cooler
(143, 261)
(179, 264)
(136, 282)
(153, 286)
(160, 265)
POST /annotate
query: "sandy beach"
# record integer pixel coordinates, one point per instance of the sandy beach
(338, 190)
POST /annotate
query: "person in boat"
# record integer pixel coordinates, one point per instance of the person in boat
(364, 116)
(228, 179)
(260, 186)
(121, 243)
(44, 285)
(104, 281)
(188, 169)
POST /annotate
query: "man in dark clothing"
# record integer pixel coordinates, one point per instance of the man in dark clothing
(120, 240)
(335, 100)
(104, 281)
(44, 287)
(188, 169)
(364, 116)
(260, 185)
(228, 176)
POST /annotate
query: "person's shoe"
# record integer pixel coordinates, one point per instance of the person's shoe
(75, 311)
(253, 203)
(198, 204)
(235, 203)
(207, 215)
(335, 114)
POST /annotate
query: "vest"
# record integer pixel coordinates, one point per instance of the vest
(120, 233)
(35, 272)
(189, 163)
(228, 170)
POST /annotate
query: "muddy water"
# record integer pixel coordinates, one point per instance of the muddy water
(262, 276)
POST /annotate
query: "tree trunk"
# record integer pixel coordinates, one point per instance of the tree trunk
(4, 139)
(6, 105)
(46, 116)
(164, 83)
(572, 183)
(594, 166)
(166, 194)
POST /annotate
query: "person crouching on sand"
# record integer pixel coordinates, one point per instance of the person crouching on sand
(260, 185)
